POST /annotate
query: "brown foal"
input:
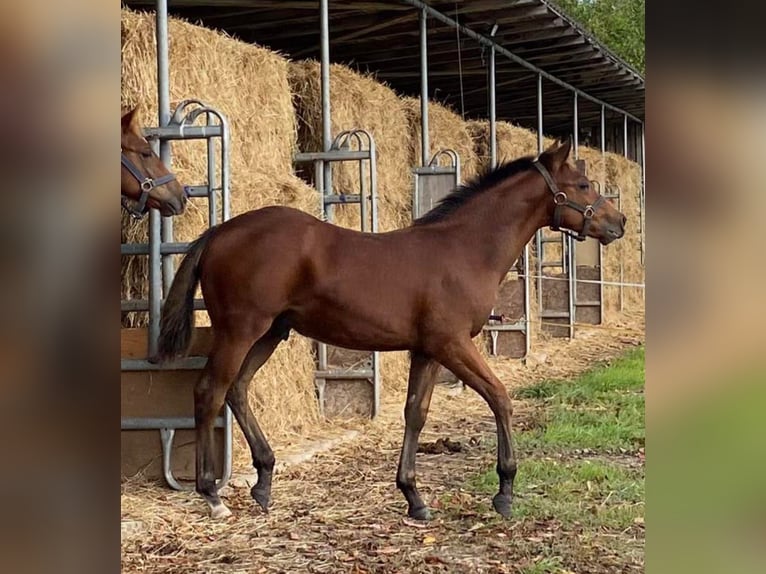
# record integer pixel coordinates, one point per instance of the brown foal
(427, 288)
(145, 181)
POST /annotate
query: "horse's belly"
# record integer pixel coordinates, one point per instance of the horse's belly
(361, 331)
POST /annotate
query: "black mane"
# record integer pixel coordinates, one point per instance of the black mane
(482, 182)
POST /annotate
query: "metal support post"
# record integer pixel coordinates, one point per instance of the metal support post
(424, 144)
(492, 105)
(569, 243)
(602, 139)
(539, 234)
(325, 89)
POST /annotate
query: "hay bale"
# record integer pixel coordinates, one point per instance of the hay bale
(622, 259)
(446, 130)
(246, 83)
(357, 101)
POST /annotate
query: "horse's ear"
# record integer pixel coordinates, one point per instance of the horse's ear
(129, 121)
(556, 155)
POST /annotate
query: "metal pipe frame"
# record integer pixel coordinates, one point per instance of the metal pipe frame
(324, 40)
(602, 140)
(485, 41)
(569, 243)
(492, 108)
(163, 108)
(642, 198)
(539, 234)
(425, 152)
(625, 136)
(340, 149)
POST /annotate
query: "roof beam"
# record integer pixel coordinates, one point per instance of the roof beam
(504, 51)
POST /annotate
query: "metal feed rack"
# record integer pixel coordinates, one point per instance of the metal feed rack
(191, 120)
(341, 150)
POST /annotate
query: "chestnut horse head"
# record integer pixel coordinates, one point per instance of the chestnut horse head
(146, 182)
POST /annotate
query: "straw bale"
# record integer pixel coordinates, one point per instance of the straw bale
(357, 101)
(249, 85)
(622, 259)
(446, 130)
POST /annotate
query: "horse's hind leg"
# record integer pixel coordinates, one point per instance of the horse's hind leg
(420, 387)
(263, 456)
(209, 396)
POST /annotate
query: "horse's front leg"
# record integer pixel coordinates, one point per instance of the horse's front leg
(463, 359)
(423, 371)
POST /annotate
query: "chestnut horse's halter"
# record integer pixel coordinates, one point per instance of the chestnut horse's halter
(147, 185)
(561, 201)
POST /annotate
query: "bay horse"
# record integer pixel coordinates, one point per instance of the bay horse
(145, 179)
(427, 288)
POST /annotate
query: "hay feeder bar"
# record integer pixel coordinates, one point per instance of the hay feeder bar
(144, 377)
(354, 388)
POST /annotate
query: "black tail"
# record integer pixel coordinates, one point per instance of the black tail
(177, 322)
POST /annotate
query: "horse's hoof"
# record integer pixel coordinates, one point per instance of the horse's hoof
(219, 512)
(420, 513)
(261, 497)
(502, 505)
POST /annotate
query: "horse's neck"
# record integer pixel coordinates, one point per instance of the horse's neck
(498, 225)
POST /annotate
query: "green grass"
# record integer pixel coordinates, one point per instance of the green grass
(590, 493)
(601, 488)
(602, 410)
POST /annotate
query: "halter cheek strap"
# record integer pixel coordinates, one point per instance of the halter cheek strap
(147, 184)
(561, 201)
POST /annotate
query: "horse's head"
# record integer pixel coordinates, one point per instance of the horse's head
(574, 204)
(145, 179)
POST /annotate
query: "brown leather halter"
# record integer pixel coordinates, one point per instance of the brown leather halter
(147, 185)
(561, 201)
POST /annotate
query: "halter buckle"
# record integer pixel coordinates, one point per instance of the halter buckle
(559, 198)
(147, 185)
(589, 212)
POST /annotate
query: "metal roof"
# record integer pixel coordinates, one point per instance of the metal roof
(382, 37)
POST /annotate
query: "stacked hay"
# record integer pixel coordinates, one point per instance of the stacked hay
(446, 130)
(622, 259)
(357, 101)
(210, 66)
(249, 85)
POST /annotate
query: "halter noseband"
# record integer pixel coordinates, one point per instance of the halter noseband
(147, 185)
(561, 201)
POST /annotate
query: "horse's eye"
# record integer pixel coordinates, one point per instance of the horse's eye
(146, 154)
(584, 185)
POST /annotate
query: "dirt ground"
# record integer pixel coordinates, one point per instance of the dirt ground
(341, 511)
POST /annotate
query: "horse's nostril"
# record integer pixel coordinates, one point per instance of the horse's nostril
(624, 220)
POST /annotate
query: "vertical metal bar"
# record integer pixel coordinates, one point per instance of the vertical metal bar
(319, 182)
(569, 241)
(492, 110)
(156, 229)
(211, 177)
(539, 235)
(374, 184)
(539, 113)
(625, 136)
(324, 32)
(155, 280)
(601, 247)
(225, 173)
(603, 132)
(424, 144)
(163, 106)
(642, 199)
(363, 195)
